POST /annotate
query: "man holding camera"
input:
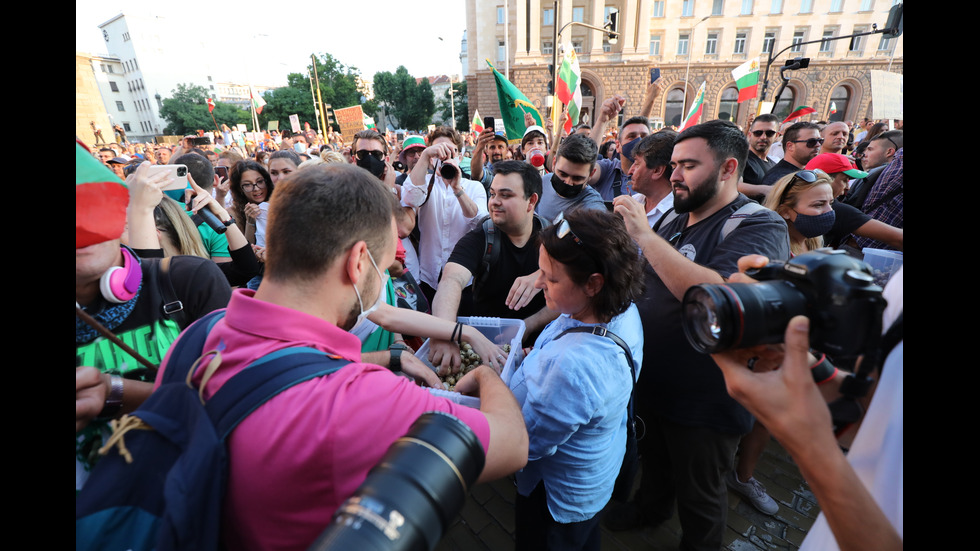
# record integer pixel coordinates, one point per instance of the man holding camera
(445, 204)
(295, 459)
(692, 425)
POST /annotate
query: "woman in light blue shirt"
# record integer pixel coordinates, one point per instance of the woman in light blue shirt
(574, 387)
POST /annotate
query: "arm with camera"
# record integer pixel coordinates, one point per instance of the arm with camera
(508, 447)
(654, 89)
(145, 193)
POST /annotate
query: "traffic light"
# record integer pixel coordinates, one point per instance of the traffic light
(612, 25)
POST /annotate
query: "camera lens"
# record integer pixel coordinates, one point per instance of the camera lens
(448, 172)
(737, 315)
(181, 171)
(410, 497)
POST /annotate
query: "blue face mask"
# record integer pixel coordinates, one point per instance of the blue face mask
(299, 147)
(814, 226)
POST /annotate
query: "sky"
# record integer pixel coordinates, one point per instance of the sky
(269, 43)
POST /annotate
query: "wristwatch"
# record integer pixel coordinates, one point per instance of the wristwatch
(395, 363)
(229, 222)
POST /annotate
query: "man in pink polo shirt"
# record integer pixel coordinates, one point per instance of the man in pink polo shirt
(297, 457)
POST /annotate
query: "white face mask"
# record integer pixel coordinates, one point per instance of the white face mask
(381, 295)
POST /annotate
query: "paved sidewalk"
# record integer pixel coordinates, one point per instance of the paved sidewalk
(487, 519)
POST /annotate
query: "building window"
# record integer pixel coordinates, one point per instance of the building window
(120, 106)
(126, 37)
(827, 46)
(747, 7)
(728, 106)
(806, 6)
(113, 86)
(674, 107)
(126, 127)
(110, 69)
(885, 44)
(136, 64)
(658, 8)
(836, 6)
(682, 44)
(867, 5)
(578, 14)
(654, 44)
(768, 41)
(548, 18)
(687, 8)
(501, 15)
(857, 42)
(776, 6)
(786, 102)
(548, 47)
(136, 106)
(501, 50)
(840, 97)
(798, 38)
(711, 45)
(740, 42)
(717, 7)
(606, 46)
(577, 46)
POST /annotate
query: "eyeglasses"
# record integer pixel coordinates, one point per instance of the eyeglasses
(259, 184)
(808, 176)
(563, 228)
(759, 133)
(893, 143)
(811, 143)
(363, 153)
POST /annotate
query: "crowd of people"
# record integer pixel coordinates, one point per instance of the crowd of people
(364, 249)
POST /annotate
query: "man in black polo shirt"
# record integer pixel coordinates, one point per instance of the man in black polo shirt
(801, 142)
(760, 136)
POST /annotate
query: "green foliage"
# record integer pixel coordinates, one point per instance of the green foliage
(412, 105)
(462, 106)
(338, 88)
(186, 111)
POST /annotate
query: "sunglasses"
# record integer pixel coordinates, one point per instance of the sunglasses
(563, 228)
(363, 154)
(811, 143)
(808, 176)
(759, 133)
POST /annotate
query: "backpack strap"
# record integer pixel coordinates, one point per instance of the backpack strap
(737, 217)
(172, 305)
(603, 332)
(617, 187)
(189, 347)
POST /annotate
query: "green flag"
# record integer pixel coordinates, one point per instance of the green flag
(513, 105)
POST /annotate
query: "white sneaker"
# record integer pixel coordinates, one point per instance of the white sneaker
(755, 492)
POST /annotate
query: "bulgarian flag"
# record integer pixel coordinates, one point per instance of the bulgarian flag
(513, 104)
(368, 121)
(101, 199)
(746, 78)
(257, 100)
(694, 115)
(210, 104)
(833, 107)
(799, 112)
(476, 125)
(569, 92)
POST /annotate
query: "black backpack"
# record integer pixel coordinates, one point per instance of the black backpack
(491, 252)
(162, 481)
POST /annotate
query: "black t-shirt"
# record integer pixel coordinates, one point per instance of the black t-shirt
(677, 381)
(846, 220)
(756, 169)
(781, 169)
(512, 263)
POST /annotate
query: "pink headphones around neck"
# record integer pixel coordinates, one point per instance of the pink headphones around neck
(120, 284)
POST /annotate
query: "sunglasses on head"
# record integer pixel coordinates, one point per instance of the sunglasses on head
(363, 154)
(808, 176)
(759, 133)
(811, 143)
(563, 228)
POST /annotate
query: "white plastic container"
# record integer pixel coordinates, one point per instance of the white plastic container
(883, 263)
(500, 331)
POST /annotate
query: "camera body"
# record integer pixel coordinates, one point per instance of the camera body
(835, 291)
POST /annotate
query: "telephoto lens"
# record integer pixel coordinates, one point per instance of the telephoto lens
(448, 171)
(412, 495)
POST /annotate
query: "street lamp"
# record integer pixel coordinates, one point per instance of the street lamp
(690, 42)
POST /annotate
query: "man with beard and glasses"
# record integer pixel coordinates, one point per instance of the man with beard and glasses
(331, 228)
(801, 142)
(692, 425)
(760, 136)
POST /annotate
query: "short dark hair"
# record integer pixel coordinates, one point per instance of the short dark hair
(724, 138)
(603, 247)
(635, 120)
(529, 175)
(794, 131)
(289, 154)
(765, 117)
(368, 134)
(199, 167)
(579, 149)
(319, 213)
(894, 137)
(656, 150)
(446, 132)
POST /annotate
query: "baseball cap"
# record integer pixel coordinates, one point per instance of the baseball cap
(410, 142)
(532, 129)
(832, 163)
(119, 160)
(500, 136)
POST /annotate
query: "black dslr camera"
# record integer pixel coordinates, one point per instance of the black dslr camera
(835, 291)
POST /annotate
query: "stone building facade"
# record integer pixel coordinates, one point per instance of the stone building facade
(701, 40)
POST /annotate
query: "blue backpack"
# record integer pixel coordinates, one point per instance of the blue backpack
(162, 483)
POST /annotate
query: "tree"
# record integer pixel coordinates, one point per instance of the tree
(462, 106)
(186, 111)
(410, 103)
(338, 88)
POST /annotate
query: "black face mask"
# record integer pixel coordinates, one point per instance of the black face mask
(372, 165)
(565, 190)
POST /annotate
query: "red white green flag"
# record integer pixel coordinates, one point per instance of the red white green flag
(799, 112)
(476, 125)
(568, 90)
(210, 104)
(746, 78)
(694, 115)
(833, 107)
(257, 100)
